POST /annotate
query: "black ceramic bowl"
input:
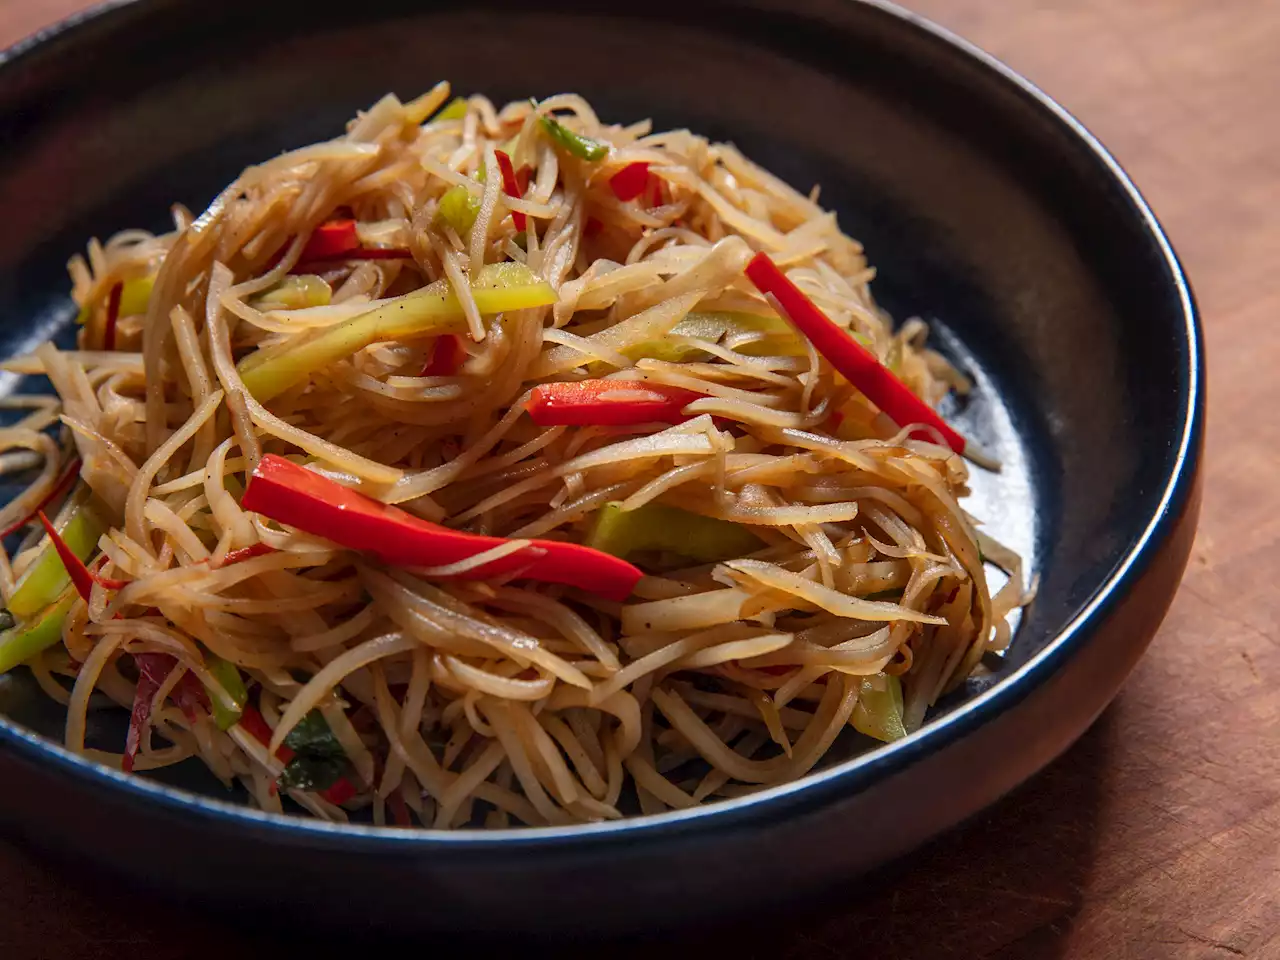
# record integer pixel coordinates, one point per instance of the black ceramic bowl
(987, 209)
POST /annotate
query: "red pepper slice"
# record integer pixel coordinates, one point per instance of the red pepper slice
(857, 364)
(256, 726)
(510, 187)
(138, 718)
(113, 316)
(331, 239)
(608, 403)
(69, 474)
(189, 694)
(288, 493)
(629, 182)
(523, 178)
(340, 792)
(447, 354)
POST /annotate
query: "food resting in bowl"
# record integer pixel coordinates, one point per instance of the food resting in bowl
(486, 467)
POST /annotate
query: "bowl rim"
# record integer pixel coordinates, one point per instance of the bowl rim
(843, 779)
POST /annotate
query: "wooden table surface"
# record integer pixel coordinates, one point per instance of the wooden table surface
(1158, 834)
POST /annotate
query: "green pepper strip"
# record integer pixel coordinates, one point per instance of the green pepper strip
(458, 208)
(47, 577)
(24, 641)
(778, 338)
(229, 677)
(658, 527)
(879, 711)
(455, 109)
(296, 292)
(497, 288)
(584, 148)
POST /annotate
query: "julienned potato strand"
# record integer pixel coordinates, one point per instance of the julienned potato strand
(485, 467)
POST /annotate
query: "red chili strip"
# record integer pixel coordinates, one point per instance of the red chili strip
(113, 316)
(331, 239)
(256, 726)
(447, 355)
(246, 553)
(81, 577)
(63, 484)
(399, 809)
(510, 187)
(629, 182)
(288, 493)
(857, 364)
(608, 403)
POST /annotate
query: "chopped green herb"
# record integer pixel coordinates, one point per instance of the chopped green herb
(318, 761)
(312, 736)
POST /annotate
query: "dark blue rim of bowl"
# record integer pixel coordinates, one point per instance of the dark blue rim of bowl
(818, 787)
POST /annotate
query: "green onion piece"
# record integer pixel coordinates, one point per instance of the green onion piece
(658, 527)
(22, 642)
(497, 288)
(229, 677)
(458, 209)
(46, 578)
(879, 710)
(296, 292)
(455, 109)
(584, 148)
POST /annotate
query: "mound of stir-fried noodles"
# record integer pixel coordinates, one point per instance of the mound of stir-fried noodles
(487, 467)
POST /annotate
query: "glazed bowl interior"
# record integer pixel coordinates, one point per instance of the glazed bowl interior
(983, 212)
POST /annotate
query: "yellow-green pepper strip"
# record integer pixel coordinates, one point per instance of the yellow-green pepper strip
(658, 527)
(497, 288)
(135, 295)
(458, 208)
(584, 148)
(227, 675)
(46, 578)
(779, 338)
(879, 710)
(294, 293)
(455, 109)
(23, 641)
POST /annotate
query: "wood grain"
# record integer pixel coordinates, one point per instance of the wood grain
(1158, 835)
